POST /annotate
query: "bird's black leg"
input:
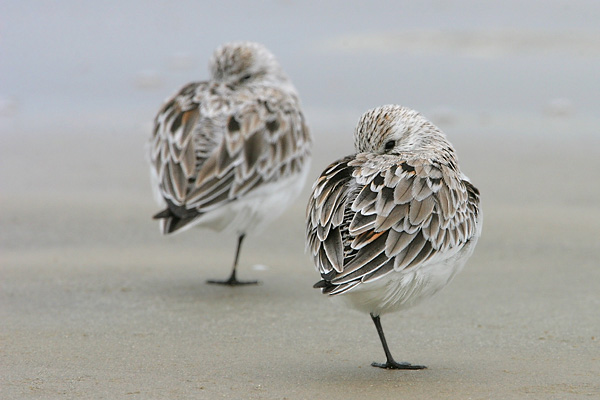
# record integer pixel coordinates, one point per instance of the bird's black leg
(390, 363)
(232, 281)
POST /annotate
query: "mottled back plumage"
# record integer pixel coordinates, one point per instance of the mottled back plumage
(399, 205)
(222, 140)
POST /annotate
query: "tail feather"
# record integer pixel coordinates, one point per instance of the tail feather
(175, 217)
(166, 213)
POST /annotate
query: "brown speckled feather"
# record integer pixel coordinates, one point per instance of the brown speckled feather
(370, 214)
(217, 141)
(392, 224)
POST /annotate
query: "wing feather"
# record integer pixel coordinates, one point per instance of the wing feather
(370, 215)
(334, 249)
(211, 145)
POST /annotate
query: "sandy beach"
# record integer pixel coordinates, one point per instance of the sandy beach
(96, 304)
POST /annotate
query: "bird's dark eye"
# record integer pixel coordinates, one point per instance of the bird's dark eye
(389, 145)
(245, 78)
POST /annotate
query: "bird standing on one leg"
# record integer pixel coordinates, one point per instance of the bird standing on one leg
(391, 225)
(231, 152)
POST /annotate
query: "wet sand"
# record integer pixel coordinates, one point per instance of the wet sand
(94, 303)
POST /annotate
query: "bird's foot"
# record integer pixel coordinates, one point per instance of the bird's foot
(232, 281)
(397, 365)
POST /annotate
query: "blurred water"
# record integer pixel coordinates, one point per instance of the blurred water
(108, 65)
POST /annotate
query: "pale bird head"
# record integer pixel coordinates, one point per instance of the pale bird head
(394, 129)
(245, 63)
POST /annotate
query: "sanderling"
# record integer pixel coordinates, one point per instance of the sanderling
(391, 225)
(231, 152)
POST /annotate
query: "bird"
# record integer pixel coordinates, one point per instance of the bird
(232, 152)
(392, 224)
